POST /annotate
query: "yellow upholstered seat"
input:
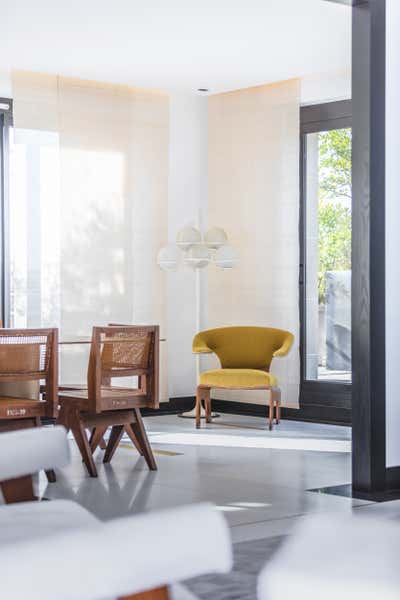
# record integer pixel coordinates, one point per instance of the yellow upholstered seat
(245, 354)
(237, 378)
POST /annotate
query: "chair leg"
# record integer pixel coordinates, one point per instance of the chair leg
(207, 405)
(19, 489)
(143, 440)
(271, 409)
(113, 441)
(78, 431)
(276, 393)
(63, 417)
(274, 406)
(278, 409)
(96, 437)
(51, 476)
(199, 395)
(132, 436)
(157, 594)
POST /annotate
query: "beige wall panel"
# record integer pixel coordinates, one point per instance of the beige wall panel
(254, 195)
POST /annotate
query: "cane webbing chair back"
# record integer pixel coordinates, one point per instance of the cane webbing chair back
(123, 351)
(30, 356)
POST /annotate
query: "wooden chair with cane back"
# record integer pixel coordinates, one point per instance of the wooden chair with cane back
(76, 386)
(245, 354)
(28, 357)
(116, 352)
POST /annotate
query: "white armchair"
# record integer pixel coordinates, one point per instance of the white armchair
(336, 556)
(57, 550)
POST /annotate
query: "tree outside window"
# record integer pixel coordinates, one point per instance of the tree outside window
(334, 207)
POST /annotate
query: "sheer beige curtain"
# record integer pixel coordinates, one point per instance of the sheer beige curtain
(254, 195)
(108, 214)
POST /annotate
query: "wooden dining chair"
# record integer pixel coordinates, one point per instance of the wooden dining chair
(28, 357)
(129, 351)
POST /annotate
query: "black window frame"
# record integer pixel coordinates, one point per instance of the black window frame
(6, 121)
(328, 401)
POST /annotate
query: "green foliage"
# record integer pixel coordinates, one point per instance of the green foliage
(334, 212)
(334, 242)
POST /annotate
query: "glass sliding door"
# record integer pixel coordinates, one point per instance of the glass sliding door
(325, 270)
(328, 251)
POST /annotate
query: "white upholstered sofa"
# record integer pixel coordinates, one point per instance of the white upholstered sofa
(57, 550)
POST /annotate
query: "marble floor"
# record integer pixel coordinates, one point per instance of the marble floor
(258, 479)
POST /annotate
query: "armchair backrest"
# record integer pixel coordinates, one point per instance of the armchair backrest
(30, 355)
(124, 351)
(244, 347)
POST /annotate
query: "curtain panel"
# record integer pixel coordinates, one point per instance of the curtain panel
(90, 187)
(254, 195)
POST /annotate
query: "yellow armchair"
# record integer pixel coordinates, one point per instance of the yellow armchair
(245, 354)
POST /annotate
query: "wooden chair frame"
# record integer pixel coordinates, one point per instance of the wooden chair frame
(204, 394)
(20, 413)
(102, 405)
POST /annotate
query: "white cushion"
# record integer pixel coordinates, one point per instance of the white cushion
(336, 557)
(28, 451)
(180, 592)
(117, 558)
(35, 520)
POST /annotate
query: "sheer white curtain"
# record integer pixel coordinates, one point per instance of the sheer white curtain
(90, 174)
(254, 195)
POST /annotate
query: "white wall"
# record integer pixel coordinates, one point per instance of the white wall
(392, 234)
(326, 87)
(254, 194)
(5, 84)
(187, 204)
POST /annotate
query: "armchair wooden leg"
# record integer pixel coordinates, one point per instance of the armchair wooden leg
(19, 489)
(275, 404)
(278, 412)
(207, 405)
(198, 407)
(157, 594)
(271, 409)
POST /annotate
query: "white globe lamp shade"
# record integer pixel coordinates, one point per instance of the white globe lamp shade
(227, 257)
(215, 237)
(169, 257)
(187, 237)
(197, 257)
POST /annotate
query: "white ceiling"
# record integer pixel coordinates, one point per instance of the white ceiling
(176, 44)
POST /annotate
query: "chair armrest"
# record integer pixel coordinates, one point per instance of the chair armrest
(146, 552)
(199, 345)
(28, 451)
(286, 346)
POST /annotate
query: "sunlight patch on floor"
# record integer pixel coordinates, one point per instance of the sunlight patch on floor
(228, 441)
